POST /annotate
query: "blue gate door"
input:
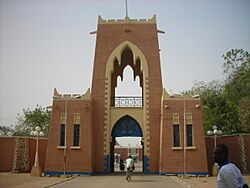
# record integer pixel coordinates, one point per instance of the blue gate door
(126, 126)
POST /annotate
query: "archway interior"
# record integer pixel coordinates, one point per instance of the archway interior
(127, 77)
(126, 127)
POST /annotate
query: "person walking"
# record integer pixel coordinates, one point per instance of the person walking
(122, 167)
(229, 176)
(129, 167)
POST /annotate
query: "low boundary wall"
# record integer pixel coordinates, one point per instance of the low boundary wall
(18, 153)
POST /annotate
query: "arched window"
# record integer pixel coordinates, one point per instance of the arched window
(127, 81)
(128, 86)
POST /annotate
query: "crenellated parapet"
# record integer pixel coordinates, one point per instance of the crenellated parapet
(86, 96)
(166, 96)
(127, 20)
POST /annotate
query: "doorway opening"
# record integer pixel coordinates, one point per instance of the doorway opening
(126, 140)
(128, 146)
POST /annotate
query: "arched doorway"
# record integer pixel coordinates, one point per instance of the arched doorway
(124, 127)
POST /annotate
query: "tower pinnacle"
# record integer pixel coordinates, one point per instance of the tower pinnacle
(126, 8)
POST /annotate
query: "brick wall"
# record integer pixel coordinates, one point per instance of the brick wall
(78, 159)
(247, 146)
(42, 149)
(171, 158)
(7, 144)
(6, 154)
(232, 141)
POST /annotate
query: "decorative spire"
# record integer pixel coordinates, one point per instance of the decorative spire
(126, 9)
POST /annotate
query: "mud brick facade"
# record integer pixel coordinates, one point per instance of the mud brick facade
(171, 127)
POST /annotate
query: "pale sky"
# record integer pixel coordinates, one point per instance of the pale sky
(45, 44)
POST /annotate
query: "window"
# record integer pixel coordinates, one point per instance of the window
(62, 135)
(76, 135)
(176, 135)
(189, 135)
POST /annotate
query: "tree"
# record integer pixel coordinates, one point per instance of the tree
(31, 119)
(237, 88)
(227, 104)
(5, 131)
(214, 106)
(235, 61)
(244, 114)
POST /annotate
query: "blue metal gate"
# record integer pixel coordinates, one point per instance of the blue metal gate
(126, 126)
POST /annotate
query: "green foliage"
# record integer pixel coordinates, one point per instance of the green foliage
(235, 61)
(5, 131)
(214, 106)
(237, 88)
(31, 119)
(227, 104)
(244, 113)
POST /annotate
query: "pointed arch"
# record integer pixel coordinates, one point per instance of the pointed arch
(126, 126)
(140, 64)
(116, 56)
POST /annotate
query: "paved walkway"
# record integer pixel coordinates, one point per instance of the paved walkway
(108, 181)
(24, 180)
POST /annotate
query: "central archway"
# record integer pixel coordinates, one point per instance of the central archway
(124, 127)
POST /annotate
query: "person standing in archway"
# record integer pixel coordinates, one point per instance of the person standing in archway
(129, 167)
(122, 167)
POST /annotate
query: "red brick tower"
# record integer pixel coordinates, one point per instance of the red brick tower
(120, 43)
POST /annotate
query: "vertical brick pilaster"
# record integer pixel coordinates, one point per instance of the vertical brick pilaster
(21, 155)
(242, 153)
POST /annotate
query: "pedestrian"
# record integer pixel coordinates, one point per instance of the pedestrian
(122, 167)
(133, 167)
(129, 166)
(229, 176)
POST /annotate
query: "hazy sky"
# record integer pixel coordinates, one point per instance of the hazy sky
(45, 44)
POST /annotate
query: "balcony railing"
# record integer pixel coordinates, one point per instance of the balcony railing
(126, 101)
